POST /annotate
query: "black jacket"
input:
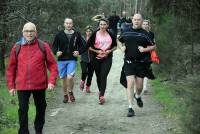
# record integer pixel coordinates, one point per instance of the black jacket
(62, 43)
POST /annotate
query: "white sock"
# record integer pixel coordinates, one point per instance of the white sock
(130, 106)
(137, 96)
(145, 84)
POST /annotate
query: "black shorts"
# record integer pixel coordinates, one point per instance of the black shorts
(139, 69)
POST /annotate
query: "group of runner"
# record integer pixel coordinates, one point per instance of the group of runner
(30, 58)
(96, 55)
(96, 50)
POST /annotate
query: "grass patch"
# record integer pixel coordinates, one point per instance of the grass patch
(173, 103)
(180, 101)
(165, 94)
(9, 131)
(9, 111)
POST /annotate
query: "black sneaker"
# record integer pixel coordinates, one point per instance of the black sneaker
(131, 112)
(139, 101)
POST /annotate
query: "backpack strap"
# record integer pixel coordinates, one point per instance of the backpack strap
(41, 46)
(18, 47)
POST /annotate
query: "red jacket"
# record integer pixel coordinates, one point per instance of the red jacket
(29, 71)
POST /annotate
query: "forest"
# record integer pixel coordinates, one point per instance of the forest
(174, 22)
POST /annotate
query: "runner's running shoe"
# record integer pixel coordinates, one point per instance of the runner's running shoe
(65, 100)
(82, 85)
(131, 112)
(71, 97)
(139, 101)
(87, 88)
(101, 100)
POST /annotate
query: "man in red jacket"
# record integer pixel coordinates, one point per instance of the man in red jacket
(27, 74)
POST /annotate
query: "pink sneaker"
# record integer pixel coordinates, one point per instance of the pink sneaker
(87, 88)
(82, 85)
(65, 100)
(71, 97)
(101, 100)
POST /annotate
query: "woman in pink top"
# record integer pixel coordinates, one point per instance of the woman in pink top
(102, 43)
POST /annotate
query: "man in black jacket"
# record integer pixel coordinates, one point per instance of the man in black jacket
(124, 22)
(67, 46)
(113, 20)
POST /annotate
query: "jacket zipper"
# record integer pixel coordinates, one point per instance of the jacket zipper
(29, 80)
(69, 40)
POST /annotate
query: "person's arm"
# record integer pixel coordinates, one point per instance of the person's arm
(95, 50)
(147, 49)
(111, 50)
(51, 65)
(120, 43)
(11, 71)
(150, 45)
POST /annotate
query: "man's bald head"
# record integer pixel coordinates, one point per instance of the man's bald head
(29, 25)
(137, 15)
(137, 21)
(29, 31)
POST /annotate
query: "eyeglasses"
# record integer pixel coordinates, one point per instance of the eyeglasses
(102, 24)
(29, 31)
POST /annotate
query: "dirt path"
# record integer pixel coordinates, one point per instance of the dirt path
(86, 116)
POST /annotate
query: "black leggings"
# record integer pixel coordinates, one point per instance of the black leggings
(87, 72)
(102, 68)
